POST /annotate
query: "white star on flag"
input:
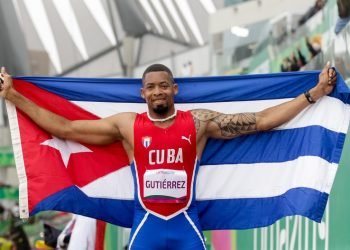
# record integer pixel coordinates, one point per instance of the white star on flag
(65, 147)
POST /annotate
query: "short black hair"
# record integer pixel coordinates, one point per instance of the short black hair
(156, 68)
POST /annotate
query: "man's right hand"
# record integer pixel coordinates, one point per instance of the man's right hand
(6, 83)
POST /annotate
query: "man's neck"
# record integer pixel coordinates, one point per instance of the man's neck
(156, 118)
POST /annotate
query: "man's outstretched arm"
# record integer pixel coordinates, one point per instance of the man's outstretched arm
(98, 132)
(225, 126)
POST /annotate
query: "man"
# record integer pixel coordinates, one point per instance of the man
(164, 146)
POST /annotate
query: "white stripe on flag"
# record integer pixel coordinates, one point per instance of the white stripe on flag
(117, 185)
(236, 180)
(264, 179)
(313, 115)
(104, 109)
(18, 153)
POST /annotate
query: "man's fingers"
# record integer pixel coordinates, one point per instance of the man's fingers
(332, 73)
(332, 81)
(4, 74)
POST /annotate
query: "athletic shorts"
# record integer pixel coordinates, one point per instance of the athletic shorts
(181, 232)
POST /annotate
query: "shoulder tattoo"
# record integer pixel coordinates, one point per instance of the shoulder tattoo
(202, 115)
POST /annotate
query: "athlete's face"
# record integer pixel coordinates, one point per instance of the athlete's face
(159, 90)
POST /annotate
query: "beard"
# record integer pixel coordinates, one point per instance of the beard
(161, 109)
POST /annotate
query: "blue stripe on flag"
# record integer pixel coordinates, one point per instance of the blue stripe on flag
(73, 200)
(259, 212)
(207, 89)
(275, 146)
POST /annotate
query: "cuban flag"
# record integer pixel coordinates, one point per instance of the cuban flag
(146, 141)
(247, 182)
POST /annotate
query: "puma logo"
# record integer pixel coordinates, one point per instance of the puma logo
(187, 139)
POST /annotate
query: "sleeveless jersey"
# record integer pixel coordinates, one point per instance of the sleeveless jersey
(165, 164)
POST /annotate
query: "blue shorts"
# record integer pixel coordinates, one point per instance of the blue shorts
(182, 232)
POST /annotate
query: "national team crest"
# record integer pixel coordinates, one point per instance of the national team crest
(146, 141)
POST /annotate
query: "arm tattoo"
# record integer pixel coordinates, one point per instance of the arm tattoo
(229, 125)
(237, 124)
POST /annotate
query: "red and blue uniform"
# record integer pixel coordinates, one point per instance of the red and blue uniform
(164, 169)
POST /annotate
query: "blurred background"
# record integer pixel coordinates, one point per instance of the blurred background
(119, 38)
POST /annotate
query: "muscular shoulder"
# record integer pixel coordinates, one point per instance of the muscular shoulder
(122, 122)
(129, 116)
(202, 116)
(122, 119)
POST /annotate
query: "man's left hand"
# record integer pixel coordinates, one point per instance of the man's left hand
(327, 80)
